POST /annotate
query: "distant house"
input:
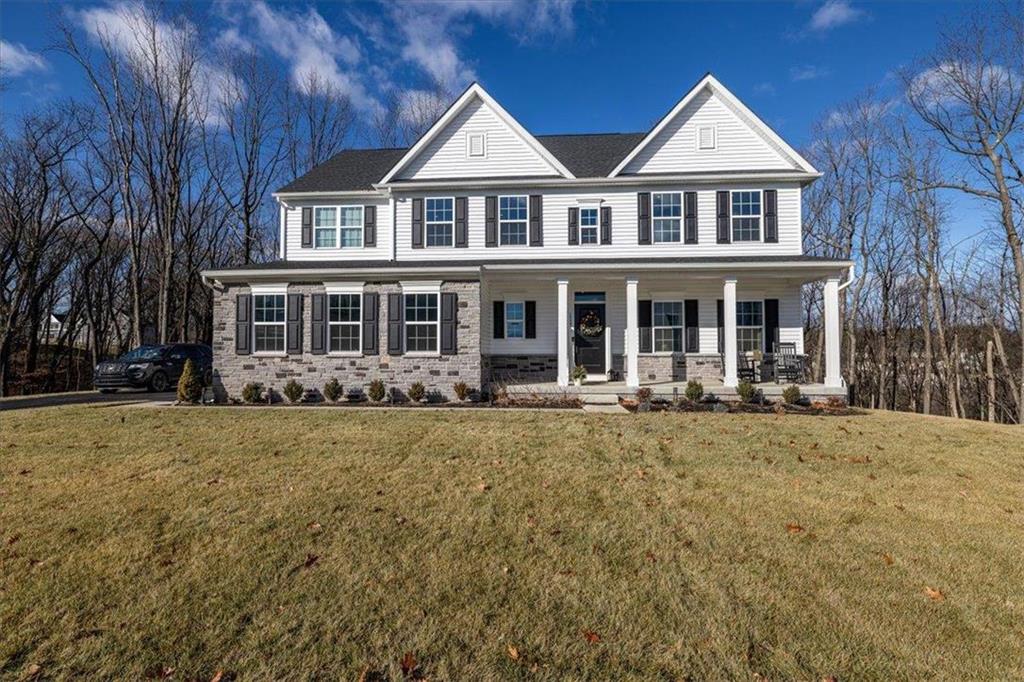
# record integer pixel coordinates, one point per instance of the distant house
(484, 253)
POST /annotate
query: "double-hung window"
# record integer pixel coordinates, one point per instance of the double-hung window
(588, 225)
(268, 323)
(422, 323)
(515, 320)
(351, 226)
(440, 221)
(512, 219)
(749, 326)
(667, 211)
(325, 228)
(343, 323)
(746, 216)
(667, 317)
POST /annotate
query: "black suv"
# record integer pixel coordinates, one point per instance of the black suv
(156, 368)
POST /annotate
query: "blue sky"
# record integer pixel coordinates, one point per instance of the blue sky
(558, 66)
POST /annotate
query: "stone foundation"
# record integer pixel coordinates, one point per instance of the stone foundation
(679, 367)
(437, 373)
(520, 369)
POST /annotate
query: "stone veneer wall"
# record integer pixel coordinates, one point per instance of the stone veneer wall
(438, 373)
(532, 369)
(679, 367)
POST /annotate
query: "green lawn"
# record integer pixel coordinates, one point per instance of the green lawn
(495, 545)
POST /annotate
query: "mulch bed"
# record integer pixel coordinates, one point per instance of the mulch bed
(835, 409)
(507, 403)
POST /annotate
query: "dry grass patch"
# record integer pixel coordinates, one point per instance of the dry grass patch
(483, 545)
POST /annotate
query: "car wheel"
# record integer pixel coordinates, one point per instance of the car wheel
(208, 378)
(108, 390)
(158, 382)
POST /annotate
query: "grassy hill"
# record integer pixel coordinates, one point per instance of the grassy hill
(486, 545)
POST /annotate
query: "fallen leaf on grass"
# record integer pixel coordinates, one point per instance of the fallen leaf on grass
(794, 528)
(482, 487)
(408, 663)
(650, 557)
(14, 538)
(934, 594)
(217, 676)
(887, 559)
(214, 481)
(313, 525)
(591, 636)
(513, 653)
(311, 560)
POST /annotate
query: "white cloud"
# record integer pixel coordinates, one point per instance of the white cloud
(764, 88)
(941, 85)
(808, 72)
(231, 40)
(16, 59)
(832, 14)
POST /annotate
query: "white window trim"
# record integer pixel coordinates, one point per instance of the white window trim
(469, 144)
(338, 226)
(590, 207)
(426, 224)
(421, 288)
(269, 290)
(682, 304)
(334, 289)
(500, 221)
(680, 218)
(760, 217)
(523, 304)
(714, 138)
(747, 326)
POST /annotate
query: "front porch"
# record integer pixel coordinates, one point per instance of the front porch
(667, 390)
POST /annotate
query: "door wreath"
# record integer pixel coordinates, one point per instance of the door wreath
(590, 324)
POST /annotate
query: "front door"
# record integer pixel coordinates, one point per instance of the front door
(589, 337)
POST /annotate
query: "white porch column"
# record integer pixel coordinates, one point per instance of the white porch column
(833, 375)
(563, 332)
(632, 335)
(729, 343)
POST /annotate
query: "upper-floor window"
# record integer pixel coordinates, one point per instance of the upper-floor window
(422, 323)
(588, 225)
(268, 323)
(515, 320)
(746, 216)
(440, 221)
(343, 323)
(667, 319)
(749, 326)
(512, 218)
(334, 225)
(667, 211)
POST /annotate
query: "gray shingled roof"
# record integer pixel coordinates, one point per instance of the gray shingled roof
(590, 155)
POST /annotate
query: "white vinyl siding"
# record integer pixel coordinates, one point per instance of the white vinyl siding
(293, 249)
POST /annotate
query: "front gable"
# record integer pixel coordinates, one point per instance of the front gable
(476, 138)
(711, 130)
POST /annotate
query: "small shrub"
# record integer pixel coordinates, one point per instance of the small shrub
(355, 395)
(746, 391)
(417, 391)
(644, 394)
(791, 394)
(252, 393)
(579, 373)
(190, 385)
(694, 390)
(377, 390)
(461, 390)
(293, 391)
(333, 390)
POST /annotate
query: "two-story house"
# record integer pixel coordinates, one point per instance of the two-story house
(486, 254)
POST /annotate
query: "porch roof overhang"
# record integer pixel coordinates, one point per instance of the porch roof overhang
(793, 267)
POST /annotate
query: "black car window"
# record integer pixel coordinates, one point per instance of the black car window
(144, 354)
(178, 353)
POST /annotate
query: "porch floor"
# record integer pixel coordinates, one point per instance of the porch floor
(665, 389)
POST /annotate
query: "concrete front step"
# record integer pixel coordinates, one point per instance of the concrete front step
(599, 398)
(606, 409)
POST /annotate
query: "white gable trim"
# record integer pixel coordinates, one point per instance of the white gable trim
(472, 92)
(716, 87)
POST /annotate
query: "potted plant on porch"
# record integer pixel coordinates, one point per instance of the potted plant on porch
(579, 374)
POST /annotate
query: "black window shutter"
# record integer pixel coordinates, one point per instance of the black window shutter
(449, 324)
(692, 322)
(531, 319)
(417, 223)
(645, 322)
(771, 324)
(606, 224)
(396, 324)
(498, 319)
(771, 216)
(307, 228)
(294, 326)
(318, 324)
(461, 229)
(243, 324)
(369, 226)
(690, 219)
(720, 308)
(643, 213)
(574, 226)
(536, 220)
(371, 314)
(723, 217)
(491, 220)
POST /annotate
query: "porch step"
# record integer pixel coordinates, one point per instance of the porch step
(606, 409)
(599, 398)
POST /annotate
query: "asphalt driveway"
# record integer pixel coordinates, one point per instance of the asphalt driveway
(82, 398)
